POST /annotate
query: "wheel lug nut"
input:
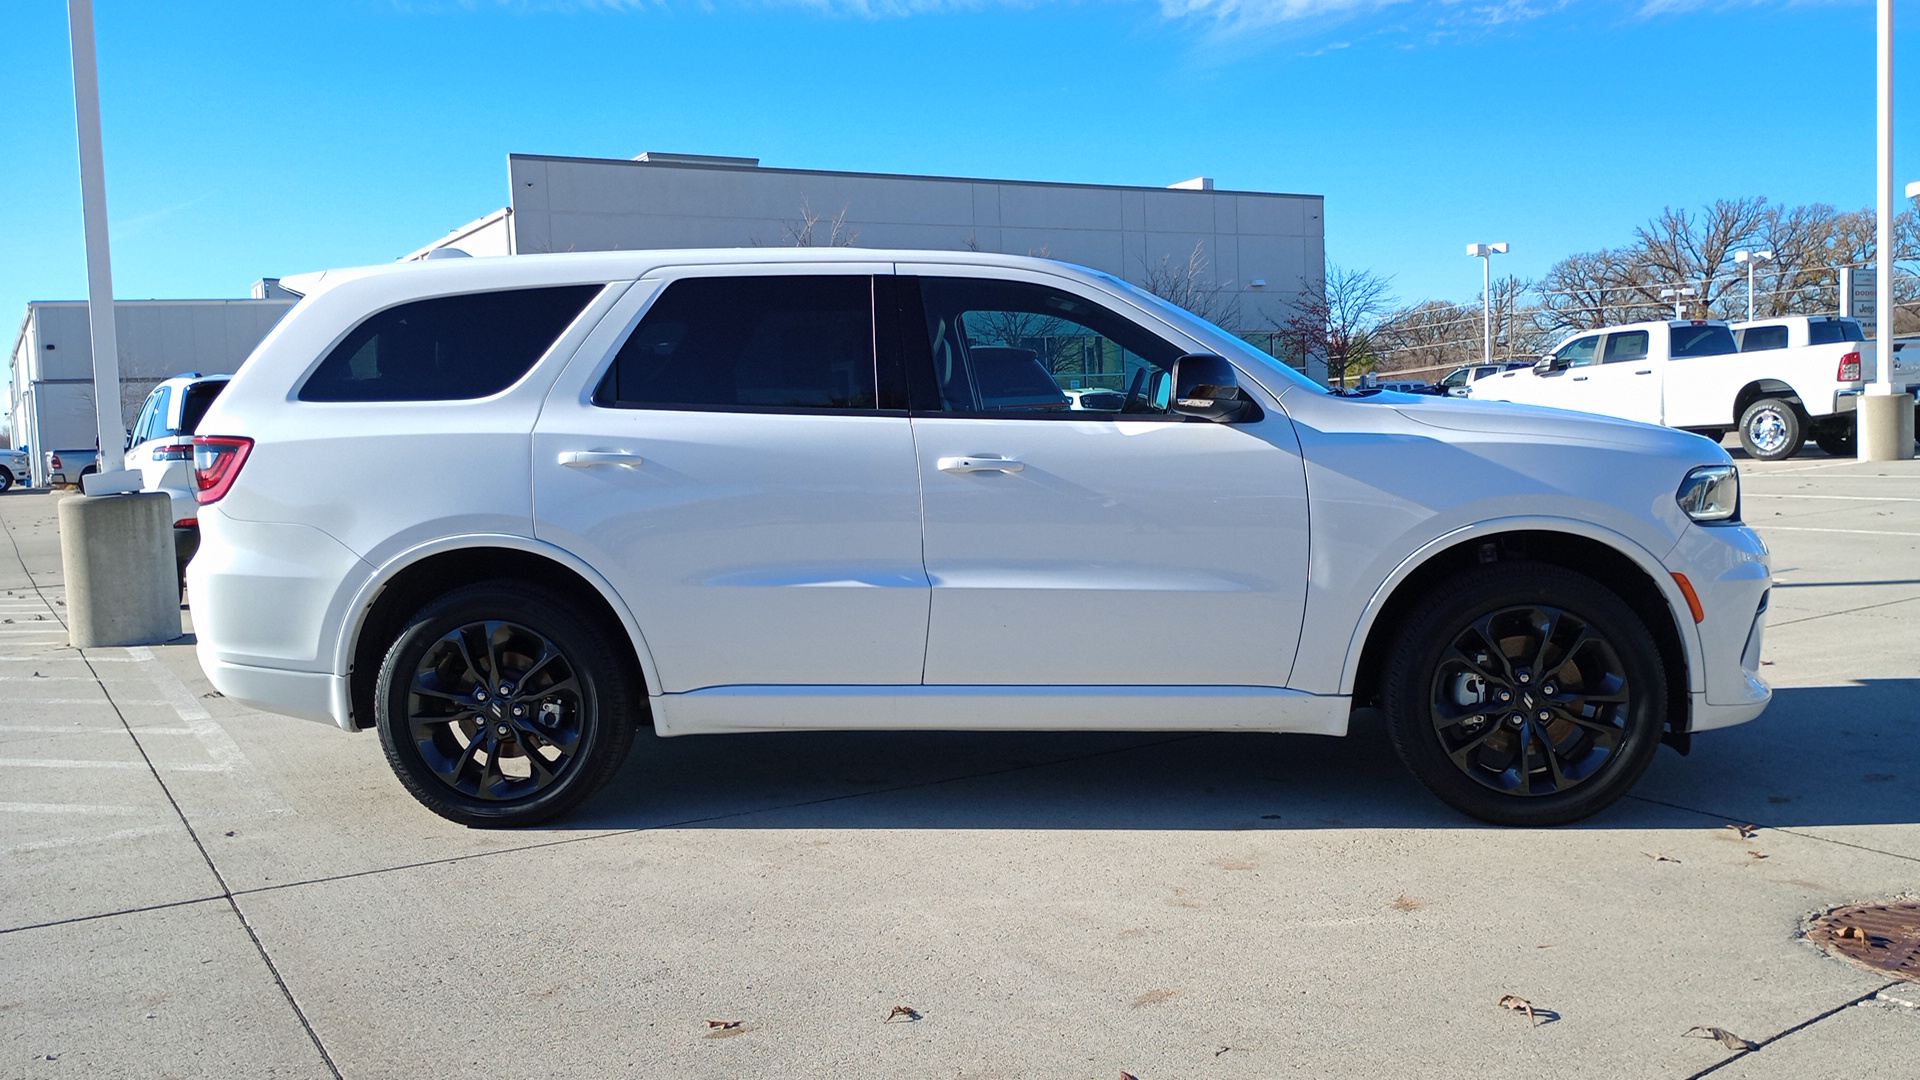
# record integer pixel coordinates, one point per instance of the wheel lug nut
(1545, 715)
(1524, 677)
(505, 689)
(502, 730)
(479, 695)
(519, 710)
(1549, 689)
(1516, 720)
(1506, 695)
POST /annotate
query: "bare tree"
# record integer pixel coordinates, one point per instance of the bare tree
(801, 233)
(1337, 322)
(1189, 285)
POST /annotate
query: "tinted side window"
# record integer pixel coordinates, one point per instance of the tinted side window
(1761, 338)
(1701, 341)
(447, 348)
(1834, 331)
(1579, 352)
(1012, 349)
(1628, 345)
(750, 343)
(152, 415)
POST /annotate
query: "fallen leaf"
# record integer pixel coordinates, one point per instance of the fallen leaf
(1853, 933)
(1125, 1075)
(212, 694)
(1403, 902)
(1746, 831)
(725, 1025)
(907, 1011)
(1758, 854)
(1660, 858)
(1155, 997)
(1721, 1035)
(1535, 1013)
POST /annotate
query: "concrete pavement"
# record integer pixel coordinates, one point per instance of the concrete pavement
(195, 889)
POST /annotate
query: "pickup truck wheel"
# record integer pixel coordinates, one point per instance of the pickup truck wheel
(502, 704)
(6, 478)
(1525, 694)
(1772, 429)
(1837, 439)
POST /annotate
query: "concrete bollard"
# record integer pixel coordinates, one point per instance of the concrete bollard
(117, 554)
(1885, 431)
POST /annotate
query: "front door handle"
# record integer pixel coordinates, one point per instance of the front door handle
(1579, 378)
(1649, 371)
(586, 459)
(978, 464)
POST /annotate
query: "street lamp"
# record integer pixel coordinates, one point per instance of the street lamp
(1751, 257)
(1678, 295)
(1485, 253)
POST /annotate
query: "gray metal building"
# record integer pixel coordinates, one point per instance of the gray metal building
(1258, 251)
(50, 398)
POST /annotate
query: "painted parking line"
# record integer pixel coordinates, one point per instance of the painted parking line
(76, 841)
(1851, 532)
(226, 754)
(67, 808)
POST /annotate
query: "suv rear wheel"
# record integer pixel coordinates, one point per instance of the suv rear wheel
(502, 703)
(1525, 694)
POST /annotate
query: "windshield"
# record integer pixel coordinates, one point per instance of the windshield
(1219, 340)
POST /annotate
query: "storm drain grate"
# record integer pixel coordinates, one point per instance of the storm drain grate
(1884, 937)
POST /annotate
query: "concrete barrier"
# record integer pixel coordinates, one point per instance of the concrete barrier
(1885, 431)
(117, 554)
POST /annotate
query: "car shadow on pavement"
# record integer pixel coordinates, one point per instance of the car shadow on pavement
(1830, 755)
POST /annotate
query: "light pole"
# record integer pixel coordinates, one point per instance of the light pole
(1883, 418)
(1679, 294)
(1485, 253)
(1751, 257)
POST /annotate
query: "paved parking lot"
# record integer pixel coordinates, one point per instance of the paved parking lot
(195, 889)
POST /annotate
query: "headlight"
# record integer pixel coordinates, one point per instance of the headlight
(1711, 493)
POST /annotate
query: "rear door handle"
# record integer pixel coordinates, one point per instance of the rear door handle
(1579, 378)
(978, 464)
(586, 459)
(1649, 371)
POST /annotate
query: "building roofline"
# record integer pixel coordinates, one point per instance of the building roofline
(511, 157)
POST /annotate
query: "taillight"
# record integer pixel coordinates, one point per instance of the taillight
(216, 462)
(1849, 368)
(185, 522)
(53, 461)
(175, 452)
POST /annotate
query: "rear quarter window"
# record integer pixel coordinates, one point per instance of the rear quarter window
(447, 348)
(1762, 338)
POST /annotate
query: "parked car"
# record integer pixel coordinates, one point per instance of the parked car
(1692, 374)
(15, 468)
(68, 466)
(161, 449)
(1455, 382)
(763, 490)
(1097, 400)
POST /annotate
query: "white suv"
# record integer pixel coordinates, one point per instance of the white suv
(509, 510)
(160, 447)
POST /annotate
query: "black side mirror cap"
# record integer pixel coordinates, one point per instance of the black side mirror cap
(1204, 385)
(1545, 365)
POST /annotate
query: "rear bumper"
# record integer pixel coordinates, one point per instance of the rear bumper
(309, 695)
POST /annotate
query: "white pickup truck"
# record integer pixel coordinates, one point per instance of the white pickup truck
(1692, 374)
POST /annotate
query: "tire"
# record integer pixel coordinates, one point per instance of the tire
(464, 748)
(6, 479)
(1837, 439)
(1527, 630)
(1772, 429)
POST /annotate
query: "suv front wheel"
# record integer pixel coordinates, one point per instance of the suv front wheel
(1525, 694)
(501, 704)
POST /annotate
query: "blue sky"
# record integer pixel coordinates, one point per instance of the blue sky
(259, 139)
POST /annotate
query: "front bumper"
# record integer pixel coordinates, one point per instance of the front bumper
(1729, 568)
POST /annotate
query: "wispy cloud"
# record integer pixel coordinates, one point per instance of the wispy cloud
(136, 224)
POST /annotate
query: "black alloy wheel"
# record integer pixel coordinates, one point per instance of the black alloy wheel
(1525, 694)
(501, 704)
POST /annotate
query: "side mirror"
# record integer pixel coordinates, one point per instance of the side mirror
(1204, 386)
(1546, 365)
